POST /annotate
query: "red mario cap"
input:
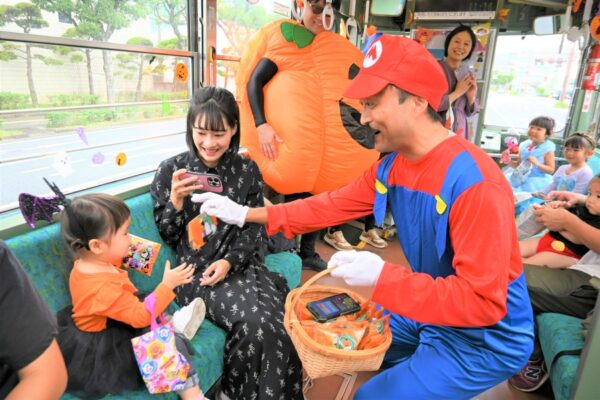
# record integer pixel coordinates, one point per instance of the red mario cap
(403, 63)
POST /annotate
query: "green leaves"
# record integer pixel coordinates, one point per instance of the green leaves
(301, 36)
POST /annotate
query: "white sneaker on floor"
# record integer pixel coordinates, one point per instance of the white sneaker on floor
(188, 319)
(337, 240)
(372, 237)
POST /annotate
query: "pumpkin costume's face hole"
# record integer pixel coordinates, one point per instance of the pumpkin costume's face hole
(313, 21)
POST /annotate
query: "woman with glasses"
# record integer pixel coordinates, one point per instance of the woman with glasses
(303, 138)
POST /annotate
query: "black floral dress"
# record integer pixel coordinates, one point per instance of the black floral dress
(260, 360)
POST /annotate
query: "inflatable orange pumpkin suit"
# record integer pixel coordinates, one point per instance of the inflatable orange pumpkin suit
(302, 102)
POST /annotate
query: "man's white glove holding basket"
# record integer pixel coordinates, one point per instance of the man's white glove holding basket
(356, 268)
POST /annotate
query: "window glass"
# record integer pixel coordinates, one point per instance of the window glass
(237, 21)
(160, 23)
(85, 117)
(530, 78)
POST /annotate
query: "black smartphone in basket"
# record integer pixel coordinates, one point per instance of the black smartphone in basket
(332, 307)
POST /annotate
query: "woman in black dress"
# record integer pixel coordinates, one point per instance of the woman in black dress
(242, 297)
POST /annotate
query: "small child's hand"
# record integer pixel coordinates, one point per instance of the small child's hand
(557, 204)
(178, 276)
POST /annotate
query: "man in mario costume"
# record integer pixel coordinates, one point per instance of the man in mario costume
(460, 313)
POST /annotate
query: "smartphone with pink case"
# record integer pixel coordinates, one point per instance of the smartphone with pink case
(211, 182)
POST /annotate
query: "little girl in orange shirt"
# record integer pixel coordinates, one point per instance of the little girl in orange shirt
(95, 335)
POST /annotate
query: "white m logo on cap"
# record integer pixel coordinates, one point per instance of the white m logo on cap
(373, 54)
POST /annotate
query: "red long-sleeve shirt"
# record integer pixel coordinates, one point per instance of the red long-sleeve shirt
(481, 232)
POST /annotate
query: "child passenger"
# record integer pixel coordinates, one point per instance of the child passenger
(533, 168)
(95, 334)
(576, 175)
(563, 249)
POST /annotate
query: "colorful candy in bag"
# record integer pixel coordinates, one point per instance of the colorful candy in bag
(142, 255)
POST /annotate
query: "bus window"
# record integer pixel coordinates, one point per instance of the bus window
(89, 99)
(233, 32)
(101, 21)
(529, 78)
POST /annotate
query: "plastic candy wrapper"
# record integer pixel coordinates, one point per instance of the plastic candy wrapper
(527, 225)
(200, 229)
(344, 335)
(518, 175)
(364, 329)
(142, 255)
(375, 332)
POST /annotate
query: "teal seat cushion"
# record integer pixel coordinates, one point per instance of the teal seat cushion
(556, 333)
(287, 264)
(44, 258)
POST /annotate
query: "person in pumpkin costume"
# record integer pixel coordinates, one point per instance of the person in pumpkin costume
(303, 138)
(460, 314)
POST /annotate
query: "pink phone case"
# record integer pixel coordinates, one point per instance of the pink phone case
(211, 182)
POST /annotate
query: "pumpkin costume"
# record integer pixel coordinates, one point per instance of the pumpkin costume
(306, 78)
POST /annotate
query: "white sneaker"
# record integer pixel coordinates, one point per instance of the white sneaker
(372, 237)
(188, 319)
(337, 240)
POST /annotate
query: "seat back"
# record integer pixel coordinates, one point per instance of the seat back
(46, 260)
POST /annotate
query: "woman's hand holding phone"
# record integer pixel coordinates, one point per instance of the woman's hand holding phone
(182, 186)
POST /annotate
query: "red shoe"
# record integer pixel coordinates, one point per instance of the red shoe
(530, 378)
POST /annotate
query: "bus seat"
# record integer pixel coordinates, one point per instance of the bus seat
(573, 376)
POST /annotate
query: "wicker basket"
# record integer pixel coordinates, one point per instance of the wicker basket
(320, 360)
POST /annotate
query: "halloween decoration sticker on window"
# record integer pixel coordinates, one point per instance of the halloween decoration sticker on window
(142, 255)
(181, 72)
(200, 230)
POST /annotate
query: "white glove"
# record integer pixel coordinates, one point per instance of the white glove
(221, 207)
(357, 268)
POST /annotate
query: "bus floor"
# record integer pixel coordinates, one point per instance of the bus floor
(340, 387)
